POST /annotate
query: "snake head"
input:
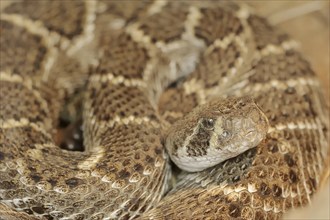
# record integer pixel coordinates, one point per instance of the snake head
(215, 132)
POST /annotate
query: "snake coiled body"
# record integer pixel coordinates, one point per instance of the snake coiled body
(142, 66)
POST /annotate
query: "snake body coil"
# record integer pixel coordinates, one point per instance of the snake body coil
(144, 65)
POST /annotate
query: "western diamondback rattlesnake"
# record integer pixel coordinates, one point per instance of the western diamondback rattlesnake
(135, 49)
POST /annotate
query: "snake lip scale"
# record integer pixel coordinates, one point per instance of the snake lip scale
(210, 85)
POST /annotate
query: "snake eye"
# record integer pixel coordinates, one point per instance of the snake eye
(208, 123)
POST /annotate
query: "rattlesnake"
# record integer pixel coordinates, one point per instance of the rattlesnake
(122, 55)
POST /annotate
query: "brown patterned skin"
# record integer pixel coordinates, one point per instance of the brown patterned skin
(214, 132)
(216, 50)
